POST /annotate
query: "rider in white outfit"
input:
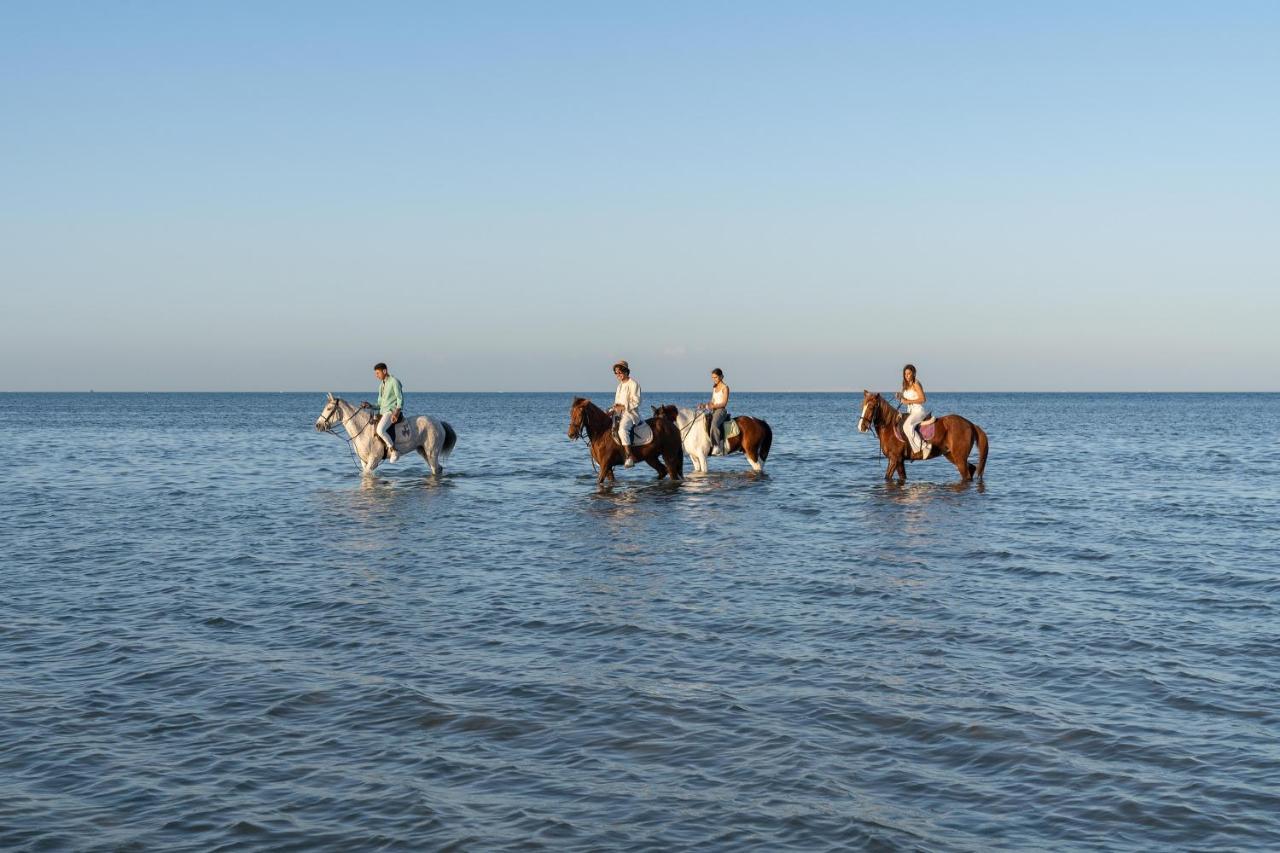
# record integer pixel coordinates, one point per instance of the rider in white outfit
(913, 395)
(626, 402)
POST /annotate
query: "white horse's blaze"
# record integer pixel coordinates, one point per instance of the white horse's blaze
(862, 419)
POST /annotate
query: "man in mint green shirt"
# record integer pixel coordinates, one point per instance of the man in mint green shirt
(390, 402)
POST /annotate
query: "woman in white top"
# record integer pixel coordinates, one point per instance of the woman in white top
(912, 394)
(626, 403)
(719, 408)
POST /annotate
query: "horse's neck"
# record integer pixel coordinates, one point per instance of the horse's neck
(886, 417)
(349, 413)
(598, 423)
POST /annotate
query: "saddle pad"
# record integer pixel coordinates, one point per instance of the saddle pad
(405, 435)
(927, 427)
(730, 428)
(642, 434)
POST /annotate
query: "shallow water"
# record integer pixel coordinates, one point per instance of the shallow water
(218, 636)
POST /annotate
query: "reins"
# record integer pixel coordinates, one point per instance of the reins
(332, 429)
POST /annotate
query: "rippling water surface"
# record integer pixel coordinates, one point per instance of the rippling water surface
(215, 635)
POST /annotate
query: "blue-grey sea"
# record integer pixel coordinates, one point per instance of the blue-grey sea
(215, 635)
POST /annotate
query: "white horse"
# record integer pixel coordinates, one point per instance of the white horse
(696, 441)
(432, 438)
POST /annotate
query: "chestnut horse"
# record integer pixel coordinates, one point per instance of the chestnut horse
(754, 437)
(589, 421)
(953, 437)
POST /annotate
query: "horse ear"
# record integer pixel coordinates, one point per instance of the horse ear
(330, 393)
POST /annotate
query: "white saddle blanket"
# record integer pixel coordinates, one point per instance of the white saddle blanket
(641, 434)
(406, 434)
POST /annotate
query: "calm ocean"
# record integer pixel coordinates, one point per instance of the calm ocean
(214, 635)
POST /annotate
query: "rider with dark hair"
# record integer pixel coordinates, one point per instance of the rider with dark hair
(719, 409)
(390, 402)
(912, 394)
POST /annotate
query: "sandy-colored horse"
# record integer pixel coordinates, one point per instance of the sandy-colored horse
(952, 436)
(432, 438)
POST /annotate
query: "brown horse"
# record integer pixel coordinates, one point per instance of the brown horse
(589, 421)
(953, 437)
(754, 437)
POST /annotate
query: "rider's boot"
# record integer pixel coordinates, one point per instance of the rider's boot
(392, 456)
(925, 449)
(630, 460)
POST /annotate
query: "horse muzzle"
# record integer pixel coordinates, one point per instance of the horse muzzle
(321, 426)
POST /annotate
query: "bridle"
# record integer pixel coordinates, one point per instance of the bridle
(870, 413)
(332, 429)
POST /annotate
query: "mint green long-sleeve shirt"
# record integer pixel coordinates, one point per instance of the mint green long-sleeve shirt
(390, 395)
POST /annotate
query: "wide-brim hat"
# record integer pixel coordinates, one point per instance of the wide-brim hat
(622, 363)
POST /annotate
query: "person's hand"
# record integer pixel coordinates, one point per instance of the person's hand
(397, 413)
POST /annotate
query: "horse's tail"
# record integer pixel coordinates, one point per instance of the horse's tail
(450, 439)
(982, 449)
(766, 442)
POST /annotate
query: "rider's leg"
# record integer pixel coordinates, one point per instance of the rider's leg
(717, 430)
(625, 424)
(384, 433)
(915, 414)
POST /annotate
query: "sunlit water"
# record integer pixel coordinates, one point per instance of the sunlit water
(215, 635)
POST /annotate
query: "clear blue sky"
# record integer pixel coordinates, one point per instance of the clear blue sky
(507, 196)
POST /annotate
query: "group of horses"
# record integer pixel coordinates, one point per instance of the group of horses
(675, 433)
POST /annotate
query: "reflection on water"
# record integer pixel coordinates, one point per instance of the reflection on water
(294, 656)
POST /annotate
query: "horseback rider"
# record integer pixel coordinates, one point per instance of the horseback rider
(626, 406)
(390, 402)
(912, 394)
(719, 409)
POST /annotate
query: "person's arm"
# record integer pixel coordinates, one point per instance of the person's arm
(395, 396)
(635, 395)
(725, 404)
(920, 390)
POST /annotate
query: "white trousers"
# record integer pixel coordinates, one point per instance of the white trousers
(626, 422)
(915, 414)
(384, 429)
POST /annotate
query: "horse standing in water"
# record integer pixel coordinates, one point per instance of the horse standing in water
(433, 439)
(589, 421)
(754, 436)
(953, 437)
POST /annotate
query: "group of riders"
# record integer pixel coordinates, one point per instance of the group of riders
(626, 409)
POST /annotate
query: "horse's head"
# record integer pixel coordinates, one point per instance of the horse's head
(578, 417)
(668, 411)
(869, 417)
(331, 415)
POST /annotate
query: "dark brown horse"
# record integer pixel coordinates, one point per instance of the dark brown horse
(589, 421)
(754, 437)
(953, 437)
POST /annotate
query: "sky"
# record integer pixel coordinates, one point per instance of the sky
(511, 196)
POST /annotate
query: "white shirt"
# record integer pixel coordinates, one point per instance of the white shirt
(910, 395)
(628, 395)
(720, 394)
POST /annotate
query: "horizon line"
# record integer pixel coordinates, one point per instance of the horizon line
(660, 391)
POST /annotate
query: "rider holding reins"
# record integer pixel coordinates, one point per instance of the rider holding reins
(390, 402)
(719, 409)
(912, 394)
(626, 405)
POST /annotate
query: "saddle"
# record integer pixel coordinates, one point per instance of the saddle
(729, 427)
(927, 426)
(641, 433)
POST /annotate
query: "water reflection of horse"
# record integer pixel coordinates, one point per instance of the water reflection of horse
(754, 437)
(953, 437)
(589, 421)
